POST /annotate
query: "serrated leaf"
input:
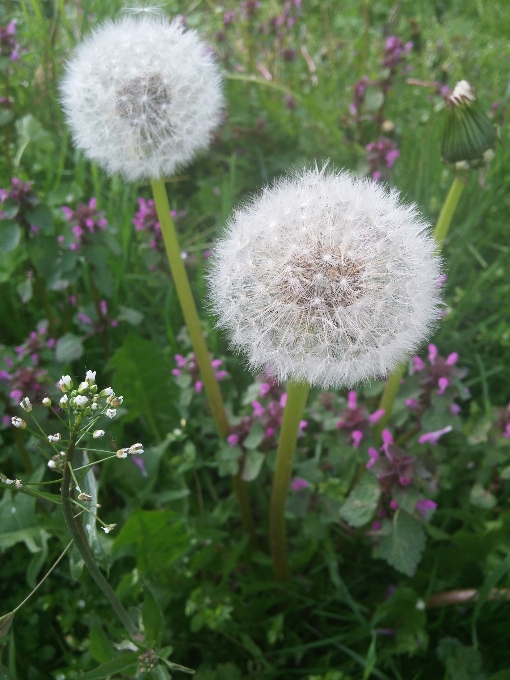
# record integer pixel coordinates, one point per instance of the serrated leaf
(252, 465)
(10, 235)
(122, 663)
(361, 502)
(403, 547)
(153, 620)
(6, 623)
(69, 348)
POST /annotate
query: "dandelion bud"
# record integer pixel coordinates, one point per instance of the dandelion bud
(110, 413)
(90, 377)
(122, 453)
(107, 392)
(84, 496)
(53, 438)
(18, 422)
(142, 95)
(469, 136)
(326, 279)
(63, 401)
(98, 433)
(26, 404)
(46, 402)
(65, 383)
(80, 401)
(136, 448)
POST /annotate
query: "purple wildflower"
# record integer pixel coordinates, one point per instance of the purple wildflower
(433, 437)
(298, 484)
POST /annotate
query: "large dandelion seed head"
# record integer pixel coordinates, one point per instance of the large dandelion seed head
(326, 279)
(142, 95)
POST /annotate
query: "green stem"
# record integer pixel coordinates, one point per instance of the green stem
(83, 547)
(440, 233)
(297, 394)
(192, 320)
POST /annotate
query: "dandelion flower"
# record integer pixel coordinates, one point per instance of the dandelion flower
(326, 279)
(142, 95)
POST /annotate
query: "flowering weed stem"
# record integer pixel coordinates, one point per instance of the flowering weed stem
(297, 394)
(192, 320)
(447, 211)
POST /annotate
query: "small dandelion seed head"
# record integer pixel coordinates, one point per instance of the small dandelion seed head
(142, 95)
(341, 299)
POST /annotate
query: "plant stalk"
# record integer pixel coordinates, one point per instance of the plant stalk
(297, 394)
(440, 233)
(83, 546)
(192, 320)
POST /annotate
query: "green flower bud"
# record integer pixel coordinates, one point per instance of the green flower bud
(469, 136)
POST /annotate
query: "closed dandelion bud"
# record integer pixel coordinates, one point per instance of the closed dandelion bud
(326, 279)
(18, 422)
(63, 401)
(136, 448)
(80, 401)
(122, 453)
(26, 404)
(469, 136)
(98, 433)
(46, 402)
(65, 383)
(110, 413)
(142, 95)
(53, 438)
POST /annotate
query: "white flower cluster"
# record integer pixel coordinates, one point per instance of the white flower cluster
(86, 399)
(326, 279)
(142, 95)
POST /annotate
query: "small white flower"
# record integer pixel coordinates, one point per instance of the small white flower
(52, 464)
(115, 401)
(122, 453)
(142, 95)
(53, 438)
(80, 401)
(26, 404)
(83, 386)
(136, 448)
(420, 605)
(106, 392)
(90, 377)
(84, 496)
(65, 383)
(63, 401)
(326, 279)
(17, 483)
(110, 413)
(95, 407)
(98, 433)
(18, 422)
(46, 401)
(108, 528)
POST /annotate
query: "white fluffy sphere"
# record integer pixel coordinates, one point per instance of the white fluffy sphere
(326, 279)
(142, 95)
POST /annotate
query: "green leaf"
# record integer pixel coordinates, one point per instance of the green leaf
(100, 646)
(6, 623)
(132, 316)
(462, 662)
(25, 290)
(10, 235)
(122, 663)
(252, 465)
(142, 374)
(153, 620)
(42, 217)
(255, 437)
(481, 498)
(361, 502)
(69, 348)
(403, 546)
(30, 130)
(505, 473)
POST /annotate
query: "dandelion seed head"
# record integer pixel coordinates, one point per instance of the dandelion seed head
(337, 298)
(142, 95)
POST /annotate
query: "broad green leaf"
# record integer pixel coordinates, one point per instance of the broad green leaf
(100, 646)
(481, 498)
(252, 465)
(153, 620)
(361, 502)
(10, 235)
(29, 131)
(132, 316)
(42, 217)
(6, 623)
(255, 437)
(403, 546)
(462, 662)
(69, 348)
(122, 663)
(25, 290)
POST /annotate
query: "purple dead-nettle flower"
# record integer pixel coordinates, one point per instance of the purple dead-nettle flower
(142, 95)
(326, 279)
(355, 420)
(394, 468)
(381, 156)
(433, 437)
(8, 46)
(394, 51)
(84, 221)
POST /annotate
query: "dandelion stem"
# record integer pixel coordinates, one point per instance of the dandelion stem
(440, 233)
(192, 320)
(297, 394)
(83, 546)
